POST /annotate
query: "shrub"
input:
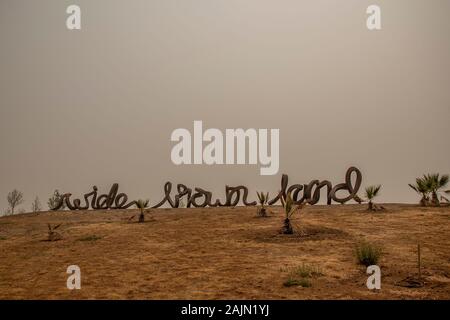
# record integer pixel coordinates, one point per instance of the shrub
(429, 187)
(290, 208)
(367, 253)
(142, 204)
(423, 188)
(371, 193)
(52, 234)
(54, 200)
(36, 205)
(263, 198)
(437, 182)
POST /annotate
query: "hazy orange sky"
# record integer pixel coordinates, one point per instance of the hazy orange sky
(98, 105)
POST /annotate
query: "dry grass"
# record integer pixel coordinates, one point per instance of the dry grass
(223, 253)
(368, 253)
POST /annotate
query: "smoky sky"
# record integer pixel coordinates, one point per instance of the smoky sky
(98, 105)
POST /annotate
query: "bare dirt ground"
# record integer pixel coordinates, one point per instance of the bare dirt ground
(223, 253)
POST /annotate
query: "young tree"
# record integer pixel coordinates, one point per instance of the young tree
(52, 234)
(290, 208)
(263, 198)
(36, 205)
(54, 200)
(423, 188)
(14, 198)
(371, 193)
(142, 204)
(436, 183)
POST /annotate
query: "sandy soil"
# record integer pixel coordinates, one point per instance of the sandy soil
(222, 253)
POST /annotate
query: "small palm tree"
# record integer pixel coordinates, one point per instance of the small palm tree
(290, 208)
(142, 204)
(436, 183)
(423, 188)
(52, 234)
(263, 199)
(371, 193)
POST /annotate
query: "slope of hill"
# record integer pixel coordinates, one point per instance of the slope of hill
(223, 253)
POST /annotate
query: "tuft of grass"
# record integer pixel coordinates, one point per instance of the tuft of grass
(2, 238)
(291, 282)
(301, 276)
(303, 282)
(367, 253)
(308, 271)
(90, 238)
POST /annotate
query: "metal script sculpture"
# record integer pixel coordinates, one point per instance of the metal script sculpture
(202, 198)
(112, 200)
